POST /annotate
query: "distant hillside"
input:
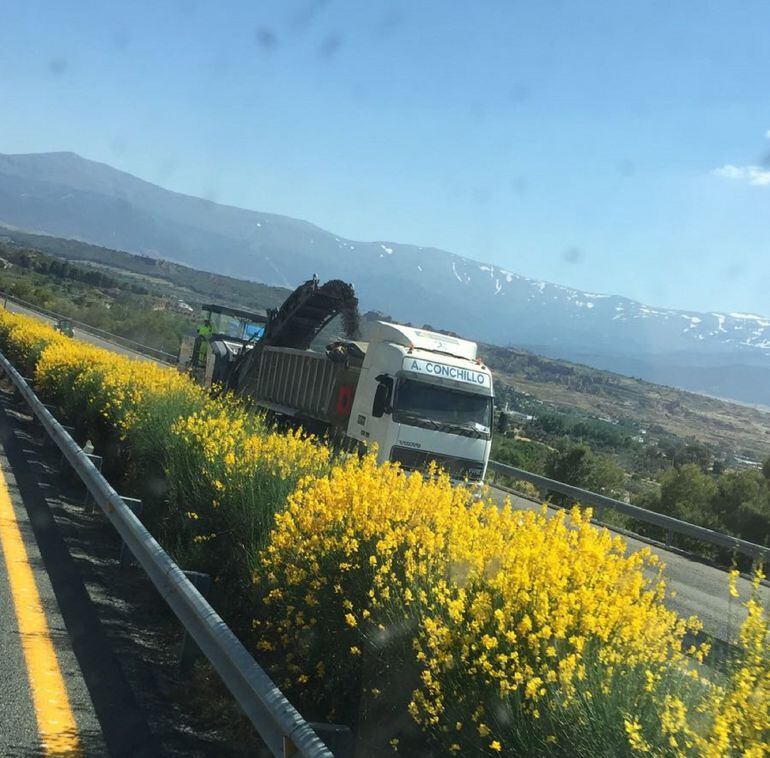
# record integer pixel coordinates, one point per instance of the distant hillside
(62, 194)
(207, 286)
(653, 409)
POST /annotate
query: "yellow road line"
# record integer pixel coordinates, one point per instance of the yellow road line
(55, 720)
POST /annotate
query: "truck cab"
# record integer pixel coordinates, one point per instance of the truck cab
(422, 397)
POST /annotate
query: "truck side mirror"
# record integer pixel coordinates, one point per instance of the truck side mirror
(381, 404)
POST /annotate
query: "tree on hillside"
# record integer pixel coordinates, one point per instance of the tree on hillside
(524, 454)
(766, 469)
(578, 465)
(736, 502)
(680, 453)
(742, 504)
(688, 494)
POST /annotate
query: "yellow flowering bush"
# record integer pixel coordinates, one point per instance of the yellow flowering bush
(346, 547)
(234, 442)
(125, 406)
(538, 617)
(113, 390)
(238, 472)
(211, 472)
(492, 627)
(24, 339)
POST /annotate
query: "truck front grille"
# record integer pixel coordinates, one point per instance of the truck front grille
(419, 460)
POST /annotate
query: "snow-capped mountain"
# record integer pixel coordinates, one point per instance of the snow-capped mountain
(62, 194)
(608, 317)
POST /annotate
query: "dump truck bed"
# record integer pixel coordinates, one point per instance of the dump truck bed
(305, 384)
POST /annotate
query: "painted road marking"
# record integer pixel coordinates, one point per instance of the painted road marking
(55, 720)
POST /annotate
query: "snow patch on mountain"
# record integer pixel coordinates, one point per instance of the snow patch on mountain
(751, 317)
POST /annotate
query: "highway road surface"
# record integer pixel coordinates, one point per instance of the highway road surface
(45, 704)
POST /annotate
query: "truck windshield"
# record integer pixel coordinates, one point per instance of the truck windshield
(442, 406)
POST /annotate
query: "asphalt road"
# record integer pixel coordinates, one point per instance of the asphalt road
(695, 588)
(23, 664)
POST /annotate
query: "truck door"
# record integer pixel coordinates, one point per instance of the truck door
(370, 418)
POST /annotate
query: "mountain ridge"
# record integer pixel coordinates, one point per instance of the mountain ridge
(64, 195)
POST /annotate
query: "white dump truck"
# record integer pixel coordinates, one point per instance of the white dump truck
(419, 396)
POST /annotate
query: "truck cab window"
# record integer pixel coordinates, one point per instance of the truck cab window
(381, 404)
(450, 407)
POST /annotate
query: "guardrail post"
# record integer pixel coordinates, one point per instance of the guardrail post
(97, 460)
(337, 737)
(136, 507)
(46, 440)
(63, 462)
(189, 651)
(17, 396)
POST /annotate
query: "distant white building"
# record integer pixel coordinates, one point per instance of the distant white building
(748, 462)
(516, 415)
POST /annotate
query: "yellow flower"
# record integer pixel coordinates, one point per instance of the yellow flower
(634, 734)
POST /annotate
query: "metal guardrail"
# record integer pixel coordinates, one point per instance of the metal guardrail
(280, 725)
(669, 523)
(137, 347)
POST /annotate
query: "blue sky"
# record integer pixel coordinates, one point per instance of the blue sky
(617, 147)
